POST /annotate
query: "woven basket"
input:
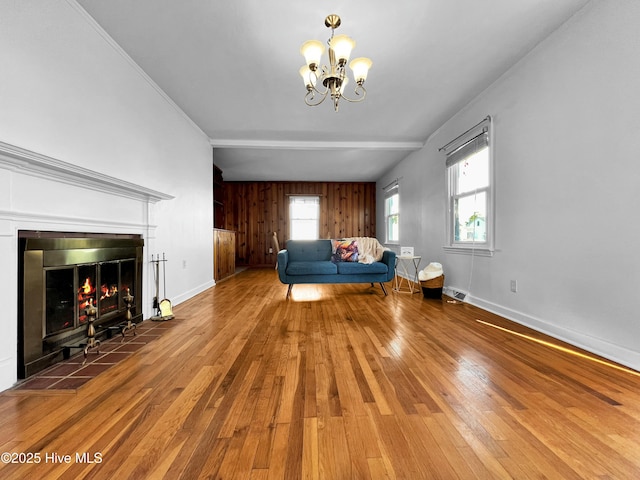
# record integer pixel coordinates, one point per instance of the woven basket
(437, 282)
(432, 288)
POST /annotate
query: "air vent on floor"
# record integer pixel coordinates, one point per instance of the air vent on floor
(459, 295)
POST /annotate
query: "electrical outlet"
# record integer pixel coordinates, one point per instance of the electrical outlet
(184, 264)
(270, 250)
(514, 286)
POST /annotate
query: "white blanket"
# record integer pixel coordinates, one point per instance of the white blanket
(433, 270)
(369, 249)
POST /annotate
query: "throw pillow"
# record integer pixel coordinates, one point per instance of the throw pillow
(344, 251)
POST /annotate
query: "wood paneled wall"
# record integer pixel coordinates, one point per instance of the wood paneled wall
(254, 210)
(224, 253)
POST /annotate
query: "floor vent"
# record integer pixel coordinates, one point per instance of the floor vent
(459, 295)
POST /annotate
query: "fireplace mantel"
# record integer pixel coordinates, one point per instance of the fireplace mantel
(38, 165)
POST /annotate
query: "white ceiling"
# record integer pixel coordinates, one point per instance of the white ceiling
(232, 66)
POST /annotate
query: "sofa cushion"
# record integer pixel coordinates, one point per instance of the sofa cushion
(309, 250)
(312, 268)
(351, 268)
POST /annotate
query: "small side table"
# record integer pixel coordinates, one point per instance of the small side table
(407, 265)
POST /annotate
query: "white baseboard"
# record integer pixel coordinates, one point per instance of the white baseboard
(8, 373)
(193, 292)
(455, 293)
(597, 346)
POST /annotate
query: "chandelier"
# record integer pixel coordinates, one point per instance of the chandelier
(334, 77)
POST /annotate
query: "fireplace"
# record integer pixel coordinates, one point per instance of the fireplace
(61, 274)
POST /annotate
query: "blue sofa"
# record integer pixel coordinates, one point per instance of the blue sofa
(309, 261)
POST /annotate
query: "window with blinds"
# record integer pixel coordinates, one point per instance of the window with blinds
(304, 217)
(470, 190)
(392, 215)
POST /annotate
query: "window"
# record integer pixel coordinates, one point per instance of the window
(304, 217)
(470, 192)
(392, 214)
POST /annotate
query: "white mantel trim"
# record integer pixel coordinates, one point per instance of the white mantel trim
(40, 219)
(38, 165)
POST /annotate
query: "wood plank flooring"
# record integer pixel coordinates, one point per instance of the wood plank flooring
(340, 382)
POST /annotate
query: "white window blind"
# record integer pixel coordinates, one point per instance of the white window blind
(304, 217)
(392, 214)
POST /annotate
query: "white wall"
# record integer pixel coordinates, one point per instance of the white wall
(68, 93)
(566, 124)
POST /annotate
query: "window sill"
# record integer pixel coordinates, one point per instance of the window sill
(462, 250)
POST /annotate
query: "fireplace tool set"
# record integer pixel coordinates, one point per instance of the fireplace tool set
(163, 307)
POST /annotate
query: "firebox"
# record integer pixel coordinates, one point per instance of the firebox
(61, 274)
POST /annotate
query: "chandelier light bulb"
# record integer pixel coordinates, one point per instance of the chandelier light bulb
(360, 67)
(342, 46)
(312, 51)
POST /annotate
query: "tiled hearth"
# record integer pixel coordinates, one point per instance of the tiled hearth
(72, 374)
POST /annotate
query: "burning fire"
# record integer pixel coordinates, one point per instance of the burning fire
(86, 294)
(107, 292)
(87, 288)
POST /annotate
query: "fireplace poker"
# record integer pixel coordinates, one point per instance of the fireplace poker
(162, 307)
(165, 303)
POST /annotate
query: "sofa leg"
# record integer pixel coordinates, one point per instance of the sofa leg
(289, 290)
(383, 288)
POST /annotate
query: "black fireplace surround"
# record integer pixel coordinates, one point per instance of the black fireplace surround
(60, 274)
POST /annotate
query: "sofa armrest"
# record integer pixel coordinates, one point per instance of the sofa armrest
(389, 259)
(283, 260)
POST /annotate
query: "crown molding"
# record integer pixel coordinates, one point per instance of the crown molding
(37, 165)
(314, 145)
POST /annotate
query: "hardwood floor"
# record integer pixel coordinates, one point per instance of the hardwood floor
(339, 382)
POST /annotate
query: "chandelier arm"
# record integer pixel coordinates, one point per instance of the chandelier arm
(359, 90)
(318, 79)
(308, 98)
(323, 93)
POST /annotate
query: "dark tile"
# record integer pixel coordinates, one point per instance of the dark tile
(92, 356)
(144, 328)
(91, 370)
(76, 357)
(130, 347)
(60, 370)
(148, 337)
(109, 346)
(113, 357)
(164, 325)
(70, 383)
(76, 371)
(129, 337)
(39, 383)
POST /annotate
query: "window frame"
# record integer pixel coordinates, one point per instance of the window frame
(292, 199)
(468, 144)
(389, 193)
